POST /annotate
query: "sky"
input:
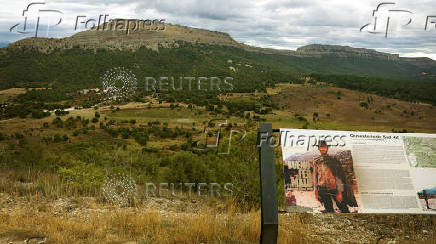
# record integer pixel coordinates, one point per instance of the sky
(280, 24)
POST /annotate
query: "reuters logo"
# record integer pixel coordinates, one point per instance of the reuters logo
(119, 84)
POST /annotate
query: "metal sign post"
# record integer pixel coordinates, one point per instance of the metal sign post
(268, 190)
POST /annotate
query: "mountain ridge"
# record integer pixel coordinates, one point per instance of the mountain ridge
(79, 61)
(169, 38)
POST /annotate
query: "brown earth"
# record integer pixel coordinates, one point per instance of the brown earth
(342, 107)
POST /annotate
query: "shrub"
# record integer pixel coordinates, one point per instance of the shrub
(82, 177)
(19, 136)
(58, 122)
(70, 123)
(61, 112)
(112, 132)
(57, 138)
(85, 122)
(125, 134)
(39, 114)
(174, 147)
(141, 138)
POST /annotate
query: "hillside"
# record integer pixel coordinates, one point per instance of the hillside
(312, 58)
(52, 169)
(119, 40)
(77, 62)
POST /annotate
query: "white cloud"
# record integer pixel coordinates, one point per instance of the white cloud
(285, 24)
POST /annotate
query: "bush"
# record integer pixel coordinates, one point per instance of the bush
(61, 112)
(112, 132)
(174, 147)
(58, 122)
(125, 134)
(57, 138)
(82, 177)
(85, 122)
(141, 138)
(22, 113)
(19, 136)
(39, 114)
(364, 105)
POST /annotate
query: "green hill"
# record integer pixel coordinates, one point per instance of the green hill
(79, 61)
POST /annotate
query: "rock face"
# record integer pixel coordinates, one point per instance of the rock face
(165, 36)
(317, 50)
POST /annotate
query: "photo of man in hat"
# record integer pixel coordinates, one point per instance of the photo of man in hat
(329, 182)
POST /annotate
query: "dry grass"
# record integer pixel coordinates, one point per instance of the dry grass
(11, 93)
(141, 225)
(85, 220)
(383, 114)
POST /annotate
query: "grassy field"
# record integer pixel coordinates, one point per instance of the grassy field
(51, 176)
(8, 94)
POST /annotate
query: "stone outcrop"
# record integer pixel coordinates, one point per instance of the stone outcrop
(120, 40)
(317, 50)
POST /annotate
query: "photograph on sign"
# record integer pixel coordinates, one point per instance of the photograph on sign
(358, 172)
(319, 177)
